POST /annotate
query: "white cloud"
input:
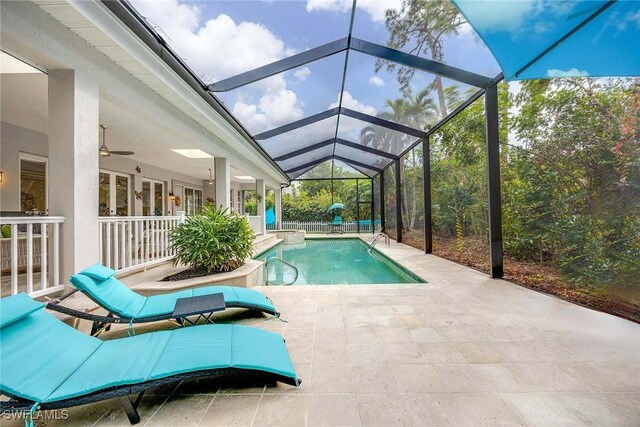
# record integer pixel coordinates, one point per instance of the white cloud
(574, 72)
(330, 5)
(349, 127)
(507, 16)
(375, 8)
(376, 81)
(348, 101)
(219, 48)
(518, 17)
(302, 74)
(275, 108)
(632, 18)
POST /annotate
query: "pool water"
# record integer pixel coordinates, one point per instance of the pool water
(333, 262)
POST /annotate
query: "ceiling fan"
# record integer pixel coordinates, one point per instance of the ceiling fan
(105, 152)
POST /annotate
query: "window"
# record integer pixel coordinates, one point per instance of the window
(113, 194)
(33, 183)
(192, 200)
(198, 200)
(239, 201)
(231, 200)
(152, 197)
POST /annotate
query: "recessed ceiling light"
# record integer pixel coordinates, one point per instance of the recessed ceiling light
(244, 177)
(192, 153)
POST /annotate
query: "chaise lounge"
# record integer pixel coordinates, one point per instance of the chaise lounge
(127, 306)
(336, 225)
(47, 364)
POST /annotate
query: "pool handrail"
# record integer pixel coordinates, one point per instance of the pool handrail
(376, 239)
(266, 271)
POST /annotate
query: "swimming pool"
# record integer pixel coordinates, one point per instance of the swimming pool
(333, 262)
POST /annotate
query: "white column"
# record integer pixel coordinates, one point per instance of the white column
(278, 208)
(260, 190)
(223, 182)
(73, 166)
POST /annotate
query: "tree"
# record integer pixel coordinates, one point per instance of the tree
(422, 26)
(419, 112)
(579, 167)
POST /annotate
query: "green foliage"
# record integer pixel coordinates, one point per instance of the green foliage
(251, 201)
(570, 162)
(303, 206)
(213, 240)
(309, 200)
(250, 206)
(570, 180)
(458, 176)
(573, 184)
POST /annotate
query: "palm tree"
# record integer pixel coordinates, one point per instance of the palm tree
(417, 111)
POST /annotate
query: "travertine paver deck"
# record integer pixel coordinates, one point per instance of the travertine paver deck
(460, 350)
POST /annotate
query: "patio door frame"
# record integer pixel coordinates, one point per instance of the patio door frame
(35, 159)
(185, 200)
(112, 188)
(152, 200)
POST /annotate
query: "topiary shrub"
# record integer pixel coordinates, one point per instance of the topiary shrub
(212, 241)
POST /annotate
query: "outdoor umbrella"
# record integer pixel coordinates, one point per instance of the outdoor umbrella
(335, 206)
(534, 39)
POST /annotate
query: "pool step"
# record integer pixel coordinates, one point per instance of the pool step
(264, 242)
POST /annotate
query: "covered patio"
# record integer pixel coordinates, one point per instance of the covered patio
(97, 165)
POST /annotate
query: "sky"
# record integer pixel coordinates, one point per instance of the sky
(219, 39)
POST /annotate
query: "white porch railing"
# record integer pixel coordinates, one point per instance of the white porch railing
(255, 221)
(325, 227)
(132, 241)
(34, 247)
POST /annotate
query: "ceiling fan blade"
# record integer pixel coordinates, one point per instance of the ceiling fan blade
(122, 153)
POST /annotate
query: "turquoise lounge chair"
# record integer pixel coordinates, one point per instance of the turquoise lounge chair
(47, 364)
(126, 306)
(336, 225)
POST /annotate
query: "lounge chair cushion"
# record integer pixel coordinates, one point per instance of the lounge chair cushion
(38, 352)
(110, 294)
(118, 298)
(157, 305)
(18, 307)
(234, 295)
(222, 346)
(115, 362)
(98, 272)
(75, 364)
